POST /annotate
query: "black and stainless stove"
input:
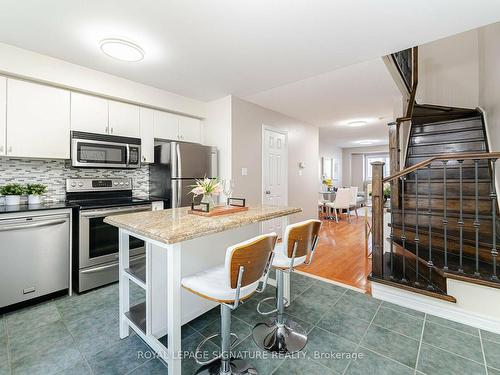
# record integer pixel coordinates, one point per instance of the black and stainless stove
(95, 243)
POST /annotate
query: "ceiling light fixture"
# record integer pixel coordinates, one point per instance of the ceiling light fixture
(356, 124)
(121, 49)
(365, 142)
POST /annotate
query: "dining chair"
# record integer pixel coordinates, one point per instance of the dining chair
(342, 201)
(354, 198)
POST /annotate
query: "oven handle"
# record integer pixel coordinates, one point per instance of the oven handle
(114, 264)
(114, 211)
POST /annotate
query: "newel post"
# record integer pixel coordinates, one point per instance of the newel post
(377, 219)
(394, 158)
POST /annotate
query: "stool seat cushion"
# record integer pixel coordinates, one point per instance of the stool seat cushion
(282, 261)
(212, 284)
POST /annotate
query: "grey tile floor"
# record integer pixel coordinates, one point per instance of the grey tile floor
(79, 335)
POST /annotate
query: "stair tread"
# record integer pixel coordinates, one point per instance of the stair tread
(444, 142)
(446, 131)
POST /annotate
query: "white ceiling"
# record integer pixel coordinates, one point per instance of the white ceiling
(363, 91)
(208, 49)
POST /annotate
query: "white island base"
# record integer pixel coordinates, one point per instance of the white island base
(168, 306)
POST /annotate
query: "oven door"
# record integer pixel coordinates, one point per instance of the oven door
(99, 154)
(98, 242)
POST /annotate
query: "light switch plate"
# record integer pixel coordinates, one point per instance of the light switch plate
(244, 171)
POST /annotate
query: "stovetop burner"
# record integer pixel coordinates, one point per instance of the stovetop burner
(102, 193)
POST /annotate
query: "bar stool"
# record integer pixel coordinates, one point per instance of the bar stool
(229, 285)
(281, 334)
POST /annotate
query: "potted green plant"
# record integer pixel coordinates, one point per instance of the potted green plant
(387, 192)
(12, 193)
(35, 192)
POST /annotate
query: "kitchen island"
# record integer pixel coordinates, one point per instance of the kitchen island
(178, 244)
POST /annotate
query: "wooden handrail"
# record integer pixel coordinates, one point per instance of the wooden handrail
(455, 156)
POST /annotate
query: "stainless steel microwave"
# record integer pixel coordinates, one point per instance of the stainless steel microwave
(89, 150)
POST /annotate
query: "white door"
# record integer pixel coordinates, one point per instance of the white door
(3, 114)
(189, 129)
(147, 135)
(38, 121)
(89, 114)
(166, 125)
(274, 174)
(124, 119)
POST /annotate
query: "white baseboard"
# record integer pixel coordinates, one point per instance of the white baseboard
(434, 306)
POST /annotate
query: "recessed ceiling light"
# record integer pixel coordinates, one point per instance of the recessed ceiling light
(357, 123)
(121, 49)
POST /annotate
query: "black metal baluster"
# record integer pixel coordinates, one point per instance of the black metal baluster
(476, 219)
(461, 219)
(429, 219)
(417, 238)
(403, 234)
(493, 195)
(445, 217)
(392, 244)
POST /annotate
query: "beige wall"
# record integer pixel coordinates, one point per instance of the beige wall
(247, 121)
(352, 167)
(448, 71)
(489, 84)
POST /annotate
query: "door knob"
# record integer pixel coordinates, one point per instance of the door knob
(268, 192)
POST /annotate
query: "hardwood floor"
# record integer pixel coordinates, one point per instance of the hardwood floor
(340, 255)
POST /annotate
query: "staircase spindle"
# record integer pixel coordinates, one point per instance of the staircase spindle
(461, 218)
(403, 233)
(493, 195)
(391, 276)
(429, 219)
(445, 217)
(417, 238)
(476, 219)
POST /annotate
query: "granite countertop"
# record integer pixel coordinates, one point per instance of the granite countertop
(177, 225)
(35, 207)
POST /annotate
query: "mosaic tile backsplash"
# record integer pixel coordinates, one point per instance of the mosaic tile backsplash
(54, 173)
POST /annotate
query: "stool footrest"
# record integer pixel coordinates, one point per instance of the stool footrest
(271, 311)
(201, 344)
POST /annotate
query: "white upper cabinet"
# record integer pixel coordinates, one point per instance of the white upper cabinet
(89, 114)
(3, 114)
(166, 125)
(124, 119)
(38, 121)
(147, 135)
(189, 129)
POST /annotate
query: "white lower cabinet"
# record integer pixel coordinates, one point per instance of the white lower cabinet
(147, 135)
(38, 121)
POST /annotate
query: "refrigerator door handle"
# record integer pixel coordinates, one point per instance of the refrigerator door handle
(179, 193)
(179, 160)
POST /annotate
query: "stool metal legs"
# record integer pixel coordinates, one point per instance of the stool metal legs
(225, 365)
(280, 334)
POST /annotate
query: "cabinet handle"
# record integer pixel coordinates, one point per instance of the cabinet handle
(10, 149)
(1, 149)
(143, 158)
(107, 129)
(111, 130)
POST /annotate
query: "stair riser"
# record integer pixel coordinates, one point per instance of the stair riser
(423, 135)
(438, 243)
(455, 125)
(446, 148)
(485, 227)
(452, 205)
(452, 188)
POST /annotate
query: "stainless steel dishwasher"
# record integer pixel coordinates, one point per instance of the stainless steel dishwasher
(34, 256)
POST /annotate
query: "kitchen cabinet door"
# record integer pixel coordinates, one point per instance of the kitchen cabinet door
(38, 121)
(189, 129)
(147, 135)
(89, 113)
(3, 114)
(124, 119)
(166, 126)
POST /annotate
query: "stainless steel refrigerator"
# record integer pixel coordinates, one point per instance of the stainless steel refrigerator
(176, 167)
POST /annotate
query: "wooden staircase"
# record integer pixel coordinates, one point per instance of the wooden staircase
(443, 218)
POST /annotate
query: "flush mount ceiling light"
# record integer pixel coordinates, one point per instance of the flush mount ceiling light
(365, 142)
(121, 49)
(356, 124)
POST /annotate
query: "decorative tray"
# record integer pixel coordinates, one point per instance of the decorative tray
(219, 210)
